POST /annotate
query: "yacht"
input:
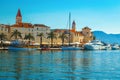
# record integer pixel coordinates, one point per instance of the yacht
(108, 47)
(94, 45)
(115, 47)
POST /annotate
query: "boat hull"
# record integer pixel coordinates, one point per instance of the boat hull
(70, 48)
(20, 49)
(93, 47)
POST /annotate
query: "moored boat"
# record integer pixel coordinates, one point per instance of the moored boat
(115, 47)
(94, 45)
(107, 47)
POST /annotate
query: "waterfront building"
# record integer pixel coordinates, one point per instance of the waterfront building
(88, 36)
(5, 29)
(41, 28)
(58, 33)
(76, 37)
(26, 28)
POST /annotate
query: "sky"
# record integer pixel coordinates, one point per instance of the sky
(102, 15)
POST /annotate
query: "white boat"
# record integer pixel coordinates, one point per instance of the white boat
(115, 47)
(94, 45)
(108, 47)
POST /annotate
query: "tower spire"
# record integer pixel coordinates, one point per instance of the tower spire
(18, 17)
(19, 13)
(74, 26)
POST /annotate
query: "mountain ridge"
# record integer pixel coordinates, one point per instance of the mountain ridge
(107, 38)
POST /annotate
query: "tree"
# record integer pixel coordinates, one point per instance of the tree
(29, 37)
(51, 35)
(41, 36)
(2, 37)
(16, 34)
(63, 36)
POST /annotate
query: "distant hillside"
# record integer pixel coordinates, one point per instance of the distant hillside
(107, 38)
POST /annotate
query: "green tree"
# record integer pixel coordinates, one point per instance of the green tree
(16, 34)
(41, 37)
(2, 37)
(51, 35)
(63, 37)
(29, 37)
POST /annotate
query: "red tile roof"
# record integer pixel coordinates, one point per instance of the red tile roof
(24, 25)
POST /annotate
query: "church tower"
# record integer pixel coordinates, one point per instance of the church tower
(18, 17)
(74, 26)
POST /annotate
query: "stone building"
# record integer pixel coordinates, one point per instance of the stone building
(88, 36)
(26, 28)
(5, 29)
(74, 37)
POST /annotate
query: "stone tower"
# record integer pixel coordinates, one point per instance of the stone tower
(74, 26)
(18, 17)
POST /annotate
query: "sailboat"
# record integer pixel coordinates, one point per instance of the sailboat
(70, 47)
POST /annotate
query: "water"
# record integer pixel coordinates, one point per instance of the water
(60, 65)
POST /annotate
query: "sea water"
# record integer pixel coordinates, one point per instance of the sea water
(60, 65)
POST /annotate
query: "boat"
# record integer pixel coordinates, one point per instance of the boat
(45, 48)
(70, 47)
(94, 45)
(115, 47)
(20, 46)
(108, 47)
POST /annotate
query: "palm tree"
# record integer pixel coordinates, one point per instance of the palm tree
(2, 37)
(16, 34)
(51, 35)
(63, 36)
(41, 36)
(29, 37)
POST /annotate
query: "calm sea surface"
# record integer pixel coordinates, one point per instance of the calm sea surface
(60, 65)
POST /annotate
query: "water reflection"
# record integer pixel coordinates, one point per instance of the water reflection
(65, 65)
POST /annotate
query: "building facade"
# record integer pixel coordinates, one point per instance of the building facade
(26, 28)
(88, 36)
(5, 29)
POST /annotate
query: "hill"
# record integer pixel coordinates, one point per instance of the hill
(107, 38)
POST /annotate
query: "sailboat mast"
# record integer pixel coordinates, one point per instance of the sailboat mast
(69, 26)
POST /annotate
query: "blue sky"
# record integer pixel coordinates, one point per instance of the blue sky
(97, 14)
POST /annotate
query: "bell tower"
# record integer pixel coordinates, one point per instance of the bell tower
(74, 26)
(18, 17)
